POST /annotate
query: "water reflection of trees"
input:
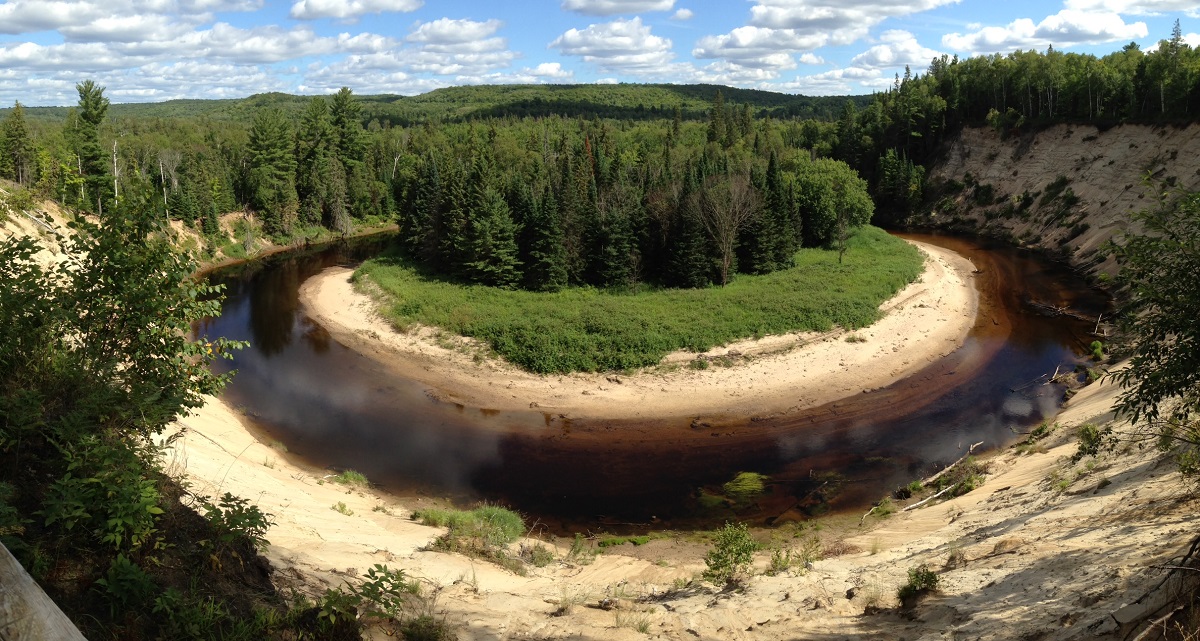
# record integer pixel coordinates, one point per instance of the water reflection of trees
(273, 304)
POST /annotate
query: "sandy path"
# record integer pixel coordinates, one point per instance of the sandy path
(925, 321)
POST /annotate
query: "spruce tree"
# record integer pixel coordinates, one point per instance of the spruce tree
(93, 162)
(314, 140)
(416, 221)
(546, 267)
(271, 179)
(490, 243)
(16, 161)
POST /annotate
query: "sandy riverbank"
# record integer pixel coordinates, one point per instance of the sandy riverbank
(925, 321)
(1045, 549)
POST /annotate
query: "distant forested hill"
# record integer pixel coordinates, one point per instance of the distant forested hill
(623, 101)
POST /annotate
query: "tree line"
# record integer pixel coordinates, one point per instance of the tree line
(539, 203)
(548, 201)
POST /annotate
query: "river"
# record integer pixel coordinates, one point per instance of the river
(332, 407)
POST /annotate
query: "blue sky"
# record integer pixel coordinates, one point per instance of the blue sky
(152, 50)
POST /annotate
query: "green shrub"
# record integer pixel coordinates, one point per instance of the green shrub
(1097, 350)
(1091, 440)
(731, 556)
(235, 517)
(781, 561)
(537, 555)
(610, 541)
(125, 585)
(426, 627)
(385, 593)
(921, 581)
(745, 486)
(580, 551)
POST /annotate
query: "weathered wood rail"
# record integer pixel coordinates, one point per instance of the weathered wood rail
(26, 613)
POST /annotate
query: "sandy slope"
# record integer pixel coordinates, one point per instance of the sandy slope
(1041, 561)
(925, 321)
(1103, 168)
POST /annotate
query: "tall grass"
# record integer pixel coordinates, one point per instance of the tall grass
(584, 329)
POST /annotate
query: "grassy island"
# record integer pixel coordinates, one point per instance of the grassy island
(587, 329)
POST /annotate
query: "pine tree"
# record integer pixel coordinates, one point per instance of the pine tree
(350, 150)
(716, 118)
(546, 267)
(689, 263)
(416, 221)
(490, 243)
(16, 161)
(785, 224)
(271, 180)
(314, 140)
(93, 161)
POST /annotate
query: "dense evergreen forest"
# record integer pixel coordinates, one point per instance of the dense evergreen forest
(546, 187)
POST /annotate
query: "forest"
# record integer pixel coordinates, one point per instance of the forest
(541, 188)
(536, 188)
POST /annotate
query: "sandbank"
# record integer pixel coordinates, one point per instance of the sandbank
(1035, 559)
(925, 321)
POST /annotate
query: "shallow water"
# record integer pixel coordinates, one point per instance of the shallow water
(334, 408)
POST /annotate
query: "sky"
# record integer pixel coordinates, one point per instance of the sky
(155, 50)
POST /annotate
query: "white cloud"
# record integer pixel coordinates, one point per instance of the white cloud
(621, 45)
(71, 56)
(683, 14)
(1064, 29)
(550, 70)
(127, 29)
(726, 73)
(616, 7)
(896, 49)
(349, 11)
(836, 82)
(1192, 40)
(453, 49)
(757, 47)
(447, 31)
(779, 29)
(1134, 7)
(811, 59)
(816, 15)
(544, 73)
(86, 19)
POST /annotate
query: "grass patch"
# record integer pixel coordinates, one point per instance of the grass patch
(635, 540)
(485, 533)
(352, 478)
(584, 329)
(745, 486)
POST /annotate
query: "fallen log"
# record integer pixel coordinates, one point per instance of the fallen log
(928, 499)
(952, 465)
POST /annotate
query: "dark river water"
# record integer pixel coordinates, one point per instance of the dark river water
(334, 408)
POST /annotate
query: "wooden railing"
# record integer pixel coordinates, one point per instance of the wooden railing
(26, 613)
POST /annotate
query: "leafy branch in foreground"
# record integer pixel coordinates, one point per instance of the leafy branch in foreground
(1162, 320)
(97, 356)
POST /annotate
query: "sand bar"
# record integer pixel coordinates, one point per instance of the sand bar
(925, 321)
